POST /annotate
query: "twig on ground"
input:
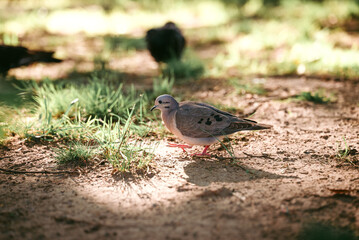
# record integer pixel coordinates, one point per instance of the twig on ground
(262, 156)
(227, 158)
(35, 172)
(96, 225)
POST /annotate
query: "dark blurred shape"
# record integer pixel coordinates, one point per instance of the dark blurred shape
(321, 231)
(16, 56)
(165, 43)
(271, 3)
(265, 3)
(237, 3)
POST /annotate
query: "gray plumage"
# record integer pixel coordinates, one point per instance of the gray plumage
(200, 123)
(199, 120)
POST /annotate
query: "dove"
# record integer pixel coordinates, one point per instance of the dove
(165, 43)
(200, 123)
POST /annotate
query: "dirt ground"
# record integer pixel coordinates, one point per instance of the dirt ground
(285, 178)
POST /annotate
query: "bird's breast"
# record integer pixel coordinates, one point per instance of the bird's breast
(169, 120)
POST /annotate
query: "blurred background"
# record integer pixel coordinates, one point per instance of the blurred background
(230, 37)
(236, 44)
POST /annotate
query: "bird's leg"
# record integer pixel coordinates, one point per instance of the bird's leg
(182, 146)
(204, 153)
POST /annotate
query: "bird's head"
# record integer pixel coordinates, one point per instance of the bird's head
(170, 25)
(165, 103)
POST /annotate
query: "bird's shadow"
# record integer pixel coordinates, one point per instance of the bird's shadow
(203, 172)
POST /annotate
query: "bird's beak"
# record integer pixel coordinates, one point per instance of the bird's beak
(153, 107)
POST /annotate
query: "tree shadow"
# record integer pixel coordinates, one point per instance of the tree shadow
(324, 231)
(204, 172)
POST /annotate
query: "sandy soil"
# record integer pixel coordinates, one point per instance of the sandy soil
(284, 179)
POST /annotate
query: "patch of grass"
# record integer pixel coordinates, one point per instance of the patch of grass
(3, 123)
(101, 70)
(98, 98)
(48, 128)
(12, 108)
(119, 147)
(76, 154)
(131, 157)
(282, 69)
(348, 153)
(242, 86)
(124, 43)
(162, 85)
(111, 139)
(345, 152)
(9, 93)
(116, 138)
(186, 69)
(317, 97)
(13, 123)
(189, 67)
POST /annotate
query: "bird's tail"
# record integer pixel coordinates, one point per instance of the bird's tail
(43, 56)
(257, 126)
(260, 126)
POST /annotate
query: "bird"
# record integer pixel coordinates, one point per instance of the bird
(200, 123)
(17, 56)
(165, 43)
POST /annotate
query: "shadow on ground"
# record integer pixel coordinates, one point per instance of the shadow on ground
(203, 172)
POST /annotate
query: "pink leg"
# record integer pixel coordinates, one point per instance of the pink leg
(182, 146)
(204, 153)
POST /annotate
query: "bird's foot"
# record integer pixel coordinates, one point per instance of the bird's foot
(203, 154)
(182, 146)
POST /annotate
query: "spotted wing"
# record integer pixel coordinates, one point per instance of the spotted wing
(201, 120)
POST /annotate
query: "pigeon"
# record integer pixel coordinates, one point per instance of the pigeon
(199, 123)
(16, 56)
(165, 43)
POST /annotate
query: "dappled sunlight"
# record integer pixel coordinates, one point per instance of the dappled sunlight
(95, 21)
(90, 21)
(82, 154)
(139, 64)
(24, 24)
(42, 71)
(325, 58)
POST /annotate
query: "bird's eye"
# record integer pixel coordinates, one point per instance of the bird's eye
(160, 102)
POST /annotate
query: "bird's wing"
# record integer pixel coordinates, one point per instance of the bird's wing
(198, 120)
(215, 109)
